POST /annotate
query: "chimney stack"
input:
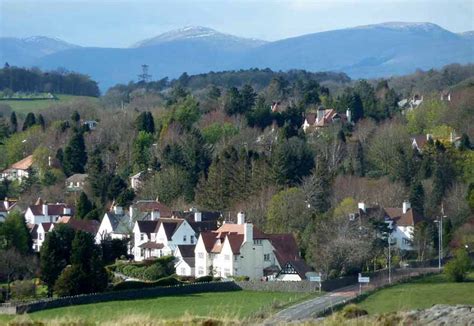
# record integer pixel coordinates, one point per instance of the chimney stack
(362, 207)
(155, 215)
(197, 216)
(118, 210)
(348, 115)
(320, 115)
(406, 206)
(66, 211)
(6, 203)
(45, 209)
(49, 161)
(248, 232)
(240, 218)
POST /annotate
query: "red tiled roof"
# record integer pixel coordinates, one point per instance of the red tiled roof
(311, 118)
(420, 141)
(151, 245)
(235, 241)
(410, 218)
(329, 116)
(209, 239)
(46, 226)
(90, 226)
(23, 164)
(285, 246)
(239, 229)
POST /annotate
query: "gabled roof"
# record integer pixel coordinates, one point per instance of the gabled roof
(410, 218)
(239, 229)
(187, 250)
(152, 205)
(33, 230)
(11, 204)
(285, 246)
(202, 226)
(235, 241)
(170, 227)
(209, 239)
(90, 226)
(311, 118)
(46, 226)
(329, 116)
(53, 209)
(23, 164)
(420, 141)
(78, 177)
(120, 223)
(299, 266)
(191, 261)
(147, 227)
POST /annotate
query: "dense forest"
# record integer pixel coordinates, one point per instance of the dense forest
(234, 141)
(14, 79)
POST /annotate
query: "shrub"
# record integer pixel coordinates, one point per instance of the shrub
(70, 281)
(457, 269)
(23, 289)
(153, 272)
(353, 311)
(204, 279)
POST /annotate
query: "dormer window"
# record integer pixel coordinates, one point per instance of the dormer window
(184, 238)
(142, 236)
(192, 239)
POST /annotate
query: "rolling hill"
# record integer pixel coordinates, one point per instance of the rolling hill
(367, 51)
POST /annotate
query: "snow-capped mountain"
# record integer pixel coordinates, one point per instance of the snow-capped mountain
(198, 33)
(24, 51)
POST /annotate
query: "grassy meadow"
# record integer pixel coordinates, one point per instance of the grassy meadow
(239, 305)
(419, 294)
(23, 107)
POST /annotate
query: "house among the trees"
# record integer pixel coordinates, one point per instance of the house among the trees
(76, 182)
(38, 234)
(402, 221)
(418, 142)
(42, 212)
(412, 103)
(116, 224)
(91, 124)
(136, 180)
(6, 206)
(243, 250)
(323, 118)
(18, 171)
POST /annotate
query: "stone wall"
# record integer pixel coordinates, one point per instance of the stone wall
(279, 286)
(21, 308)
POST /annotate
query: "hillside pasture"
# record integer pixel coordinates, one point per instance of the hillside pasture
(25, 106)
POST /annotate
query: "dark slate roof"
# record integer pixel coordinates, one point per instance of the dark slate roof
(187, 250)
(202, 226)
(53, 209)
(147, 227)
(151, 245)
(285, 246)
(152, 205)
(120, 223)
(190, 261)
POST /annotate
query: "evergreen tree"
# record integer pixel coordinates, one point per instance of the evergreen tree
(448, 232)
(248, 97)
(13, 122)
(417, 197)
(141, 153)
(55, 254)
(75, 156)
(145, 122)
(15, 234)
(83, 207)
(97, 177)
(291, 161)
(317, 187)
(233, 104)
(76, 117)
(41, 122)
(116, 186)
(30, 121)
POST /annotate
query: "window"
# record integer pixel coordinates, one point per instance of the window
(266, 257)
(142, 252)
(226, 257)
(40, 235)
(236, 257)
(142, 237)
(226, 272)
(184, 238)
(201, 255)
(257, 242)
(183, 271)
(192, 239)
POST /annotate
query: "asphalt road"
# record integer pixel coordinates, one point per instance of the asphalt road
(311, 308)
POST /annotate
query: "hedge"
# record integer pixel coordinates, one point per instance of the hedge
(129, 285)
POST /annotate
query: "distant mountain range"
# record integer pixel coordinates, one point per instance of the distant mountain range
(361, 52)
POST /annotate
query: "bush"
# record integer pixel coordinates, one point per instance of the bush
(23, 289)
(70, 281)
(204, 279)
(457, 269)
(353, 311)
(153, 272)
(241, 278)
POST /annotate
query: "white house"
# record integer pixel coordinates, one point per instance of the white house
(243, 250)
(324, 118)
(136, 180)
(46, 213)
(41, 231)
(92, 124)
(160, 236)
(76, 182)
(18, 171)
(185, 261)
(116, 224)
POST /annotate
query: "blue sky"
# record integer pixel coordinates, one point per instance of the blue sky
(119, 23)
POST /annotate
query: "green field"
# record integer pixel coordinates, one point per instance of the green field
(226, 305)
(419, 294)
(36, 105)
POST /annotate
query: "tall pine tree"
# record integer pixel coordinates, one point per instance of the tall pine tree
(75, 155)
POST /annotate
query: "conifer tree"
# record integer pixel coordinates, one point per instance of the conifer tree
(41, 122)
(13, 122)
(359, 161)
(75, 155)
(83, 207)
(30, 121)
(417, 197)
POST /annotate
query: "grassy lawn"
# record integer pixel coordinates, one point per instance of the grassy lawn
(234, 305)
(421, 293)
(37, 105)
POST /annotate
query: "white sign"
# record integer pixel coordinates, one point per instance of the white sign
(315, 278)
(364, 279)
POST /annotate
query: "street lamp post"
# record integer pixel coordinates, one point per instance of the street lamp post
(440, 240)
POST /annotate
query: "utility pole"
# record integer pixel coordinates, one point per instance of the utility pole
(389, 261)
(144, 76)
